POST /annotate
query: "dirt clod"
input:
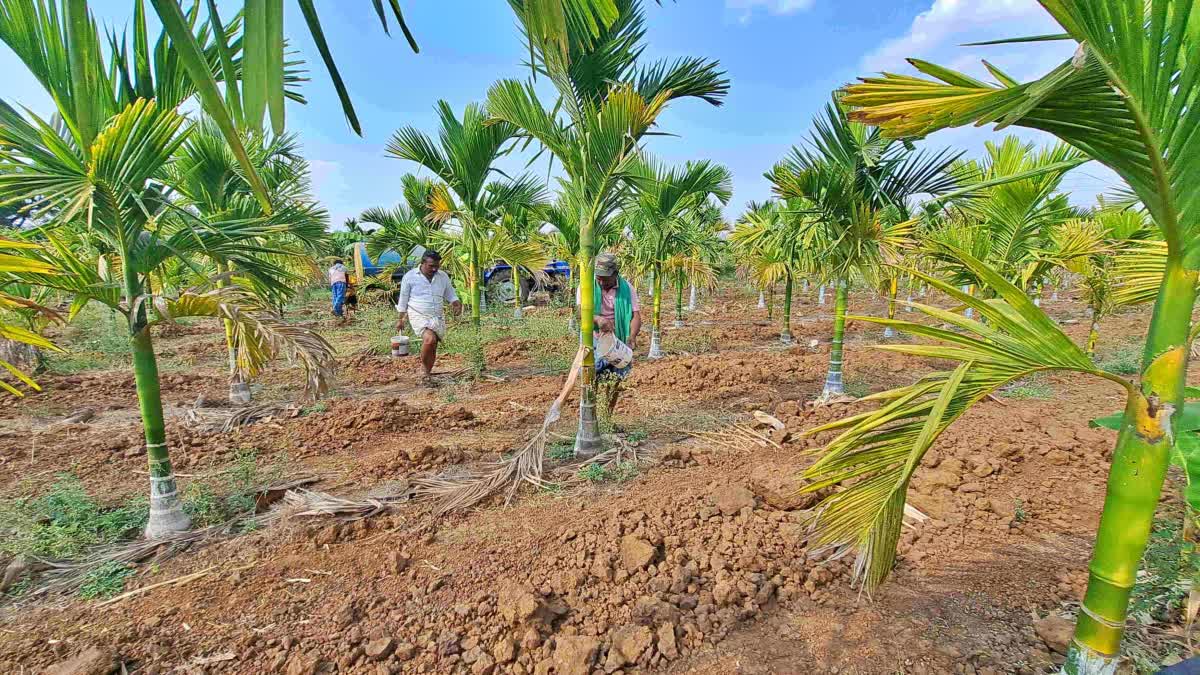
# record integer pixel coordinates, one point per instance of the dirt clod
(731, 499)
(636, 553)
(1056, 632)
(91, 661)
(574, 655)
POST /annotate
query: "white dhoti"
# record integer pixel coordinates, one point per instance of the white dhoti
(421, 322)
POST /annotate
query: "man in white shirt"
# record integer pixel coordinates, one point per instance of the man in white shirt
(423, 291)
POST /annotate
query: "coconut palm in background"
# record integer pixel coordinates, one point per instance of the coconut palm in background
(775, 242)
(1096, 249)
(859, 185)
(206, 177)
(1007, 222)
(669, 238)
(463, 161)
(606, 105)
(1126, 99)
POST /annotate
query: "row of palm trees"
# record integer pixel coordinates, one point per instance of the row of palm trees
(992, 234)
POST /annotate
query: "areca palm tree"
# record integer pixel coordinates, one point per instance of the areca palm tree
(1128, 100)
(463, 161)
(860, 185)
(263, 73)
(100, 172)
(1009, 221)
(13, 270)
(669, 239)
(776, 243)
(207, 179)
(606, 105)
(1096, 249)
(523, 223)
(405, 226)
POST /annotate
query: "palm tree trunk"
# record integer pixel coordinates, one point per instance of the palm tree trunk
(786, 336)
(834, 386)
(476, 289)
(771, 302)
(804, 285)
(762, 300)
(656, 329)
(166, 509)
(679, 300)
(587, 438)
(1093, 334)
(821, 295)
(691, 306)
(516, 281)
(239, 389)
(893, 289)
(1136, 475)
(969, 289)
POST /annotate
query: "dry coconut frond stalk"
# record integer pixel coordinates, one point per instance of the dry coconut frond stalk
(228, 419)
(523, 467)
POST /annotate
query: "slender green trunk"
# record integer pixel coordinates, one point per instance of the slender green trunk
(786, 336)
(679, 300)
(771, 302)
(1136, 475)
(516, 281)
(893, 289)
(166, 510)
(656, 329)
(834, 386)
(1093, 334)
(239, 389)
(587, 438)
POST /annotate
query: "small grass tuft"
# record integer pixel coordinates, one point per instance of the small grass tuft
(561, 450)
(105, 580)
(1030, 388)
(593, 473)
(1126, 360)
(66, 521)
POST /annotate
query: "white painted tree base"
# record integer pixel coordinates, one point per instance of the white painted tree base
(762, 300)
(655, 346)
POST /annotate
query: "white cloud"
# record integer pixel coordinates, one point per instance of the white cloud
(775, 7)
(938, 31)
(937, 35)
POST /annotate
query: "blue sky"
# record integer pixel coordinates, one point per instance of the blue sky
(784, 57)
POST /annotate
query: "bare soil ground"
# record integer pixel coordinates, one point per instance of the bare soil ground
(697, 563)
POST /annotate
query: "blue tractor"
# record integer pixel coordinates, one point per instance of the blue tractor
(498, 283)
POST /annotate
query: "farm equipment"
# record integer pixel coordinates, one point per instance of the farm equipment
(555, 278)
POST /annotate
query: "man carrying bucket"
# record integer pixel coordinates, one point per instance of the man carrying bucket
(423, 292)
(618, 313)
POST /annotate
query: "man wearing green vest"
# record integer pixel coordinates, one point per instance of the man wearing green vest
(618, 312)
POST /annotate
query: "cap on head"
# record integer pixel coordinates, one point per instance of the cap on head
(606, 265)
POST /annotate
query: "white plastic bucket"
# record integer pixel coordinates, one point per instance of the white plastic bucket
(616, 353)
(399, 345)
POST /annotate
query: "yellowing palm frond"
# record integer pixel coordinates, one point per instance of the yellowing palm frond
(258, 336)
(877, 452)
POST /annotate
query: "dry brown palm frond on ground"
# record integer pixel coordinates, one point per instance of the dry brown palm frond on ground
(228, 419)
(525, 466)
